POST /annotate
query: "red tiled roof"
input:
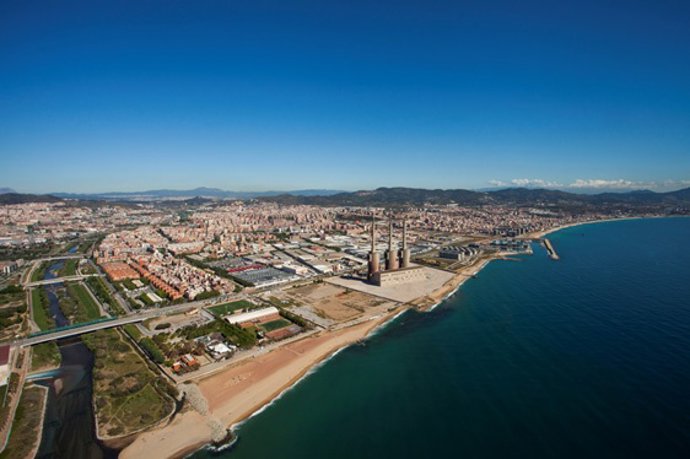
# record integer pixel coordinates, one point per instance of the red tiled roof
(4, 354)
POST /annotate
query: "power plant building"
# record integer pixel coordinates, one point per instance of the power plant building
(398, 269)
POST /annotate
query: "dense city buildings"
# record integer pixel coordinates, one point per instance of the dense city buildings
(178, 292)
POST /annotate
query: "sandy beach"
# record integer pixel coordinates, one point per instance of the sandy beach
(234, 394)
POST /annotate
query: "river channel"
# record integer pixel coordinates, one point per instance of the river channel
(69, 429)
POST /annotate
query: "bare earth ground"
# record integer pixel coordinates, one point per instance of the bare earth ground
(334, 302)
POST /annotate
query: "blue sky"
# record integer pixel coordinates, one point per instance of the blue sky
(124, 96)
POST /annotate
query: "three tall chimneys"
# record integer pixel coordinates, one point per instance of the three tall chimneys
(395, 259)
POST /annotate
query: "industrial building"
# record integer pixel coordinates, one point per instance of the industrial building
(256, 316)
(459, 253)
(398, 269)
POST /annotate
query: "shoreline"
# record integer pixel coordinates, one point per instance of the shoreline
(543, 233)
(190, 429)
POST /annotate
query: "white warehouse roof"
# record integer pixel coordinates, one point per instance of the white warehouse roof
(251, 315)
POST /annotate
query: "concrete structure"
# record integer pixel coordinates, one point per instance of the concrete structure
(373, 254)
(392, 254)
(405, 253)
(399, 276)
(458, 253)
(398, 269)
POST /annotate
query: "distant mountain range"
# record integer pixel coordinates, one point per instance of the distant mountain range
(384, 197)
(515, 196)
(20, 198)
(202, 192)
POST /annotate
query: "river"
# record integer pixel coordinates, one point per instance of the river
(69, 429)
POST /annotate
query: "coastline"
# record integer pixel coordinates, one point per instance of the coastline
(239, 396)
(241, 391)
(541, 234)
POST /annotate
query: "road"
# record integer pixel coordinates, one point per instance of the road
(58, 280)
(37, 262)
(134, 317)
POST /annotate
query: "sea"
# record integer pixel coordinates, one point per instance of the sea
(587, 356)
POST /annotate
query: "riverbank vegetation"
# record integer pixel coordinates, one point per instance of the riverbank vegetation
(41, 309)
(12, 312)
(128, 393)
(100, 290)
(9, 392)
(24, 437)
(69, 268)
(85, 308)
(39, 273)
(45, 356)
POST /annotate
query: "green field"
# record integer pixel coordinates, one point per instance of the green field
(87, 309)
(42, 316)
(275, 325)
(227, 308)
(45, 355)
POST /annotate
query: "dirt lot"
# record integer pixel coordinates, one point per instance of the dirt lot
(336, 303)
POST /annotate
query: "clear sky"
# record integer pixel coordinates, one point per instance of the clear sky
(253, 95)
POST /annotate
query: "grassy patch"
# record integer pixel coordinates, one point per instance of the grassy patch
(275, 325)
(144, 298)
(128, 284)
(45, 355)
(242, 337)
(26, 426)
(133, 331)
(69, 268)
(86, 307)
(128, 395)
(12, 312)
(40, 272)
(228, 308)
(42, 316)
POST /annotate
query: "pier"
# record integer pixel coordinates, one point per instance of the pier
(551, 251)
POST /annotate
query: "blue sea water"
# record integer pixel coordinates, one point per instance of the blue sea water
(588, 356)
